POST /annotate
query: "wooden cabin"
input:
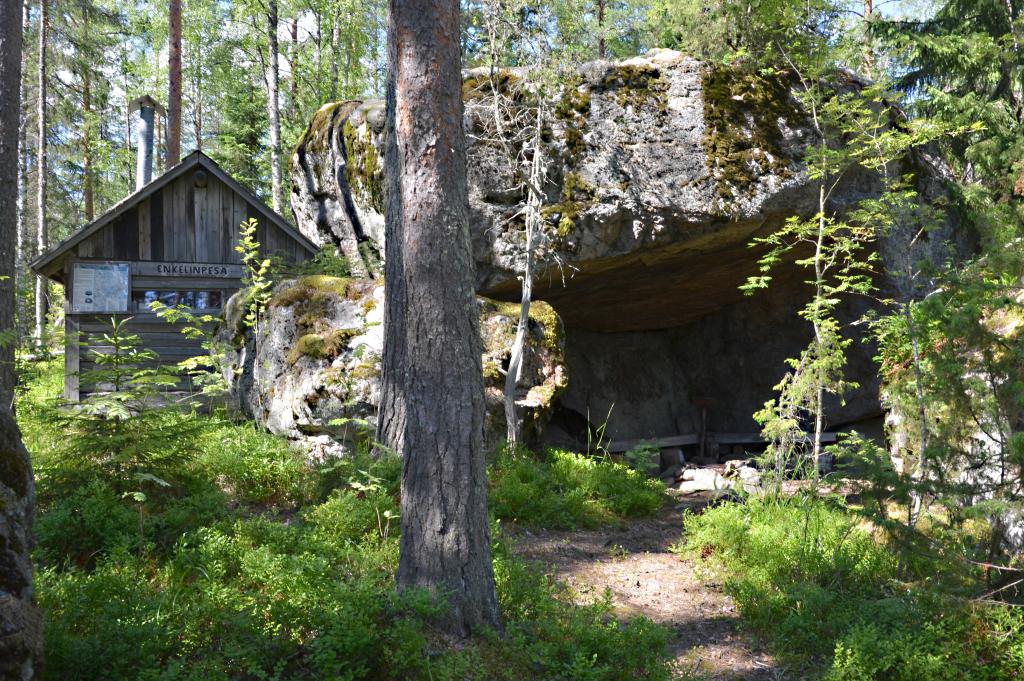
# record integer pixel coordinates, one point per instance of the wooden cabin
(174, 240)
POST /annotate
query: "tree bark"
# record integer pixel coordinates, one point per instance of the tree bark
(20, 622)
(869, 50)
(432, 390)
(41, 289)
(293, 61)
(174, 84)
(601, 50)
(21, 229)
(87, 192)
(335, 34)
(273, 107)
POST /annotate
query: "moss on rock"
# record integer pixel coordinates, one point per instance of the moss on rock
(309, 345)
(364, 169)
(305, 288)
(573, 109)
(316, 137)
(636, 86)
(477, 87)
(742, 136)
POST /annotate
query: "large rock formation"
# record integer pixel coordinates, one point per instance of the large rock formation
(311, 368)
(661, 169)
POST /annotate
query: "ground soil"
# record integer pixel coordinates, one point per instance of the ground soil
(634, 562)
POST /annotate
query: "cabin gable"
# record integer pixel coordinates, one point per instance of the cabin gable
(186, 223)
(176, 240)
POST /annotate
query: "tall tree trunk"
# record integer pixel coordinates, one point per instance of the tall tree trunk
(174, 83)
(41, 288)
(432, 390)
(273, 107)
(20, 623)
(293, 61)
(335, 35)
(197, 119)
(87, 192)
(21, 231)
(600, 29)
(869, 51)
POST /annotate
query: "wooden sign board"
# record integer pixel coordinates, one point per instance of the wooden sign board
(100, 287)
(187, 269)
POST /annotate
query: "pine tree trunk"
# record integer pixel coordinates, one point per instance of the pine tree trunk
(432, 390)
(600, 29)
(87, 192)
(41, 288)
(197, 120)
(273, 107)
(174, 84)
(20, 623)
(20, 236)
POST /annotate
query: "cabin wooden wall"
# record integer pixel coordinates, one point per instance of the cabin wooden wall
(180, 223)
(166, 340)
(185, 223)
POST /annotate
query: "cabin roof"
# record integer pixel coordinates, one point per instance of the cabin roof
(48, 263)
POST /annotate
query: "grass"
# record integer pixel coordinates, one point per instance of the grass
(830, 599)
(188, 546)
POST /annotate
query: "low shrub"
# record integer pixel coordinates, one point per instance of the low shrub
(354, 515)
(233, 570)
(560, 489)
(260, 599)
(89, 522)
(254, 466)
(826, 596)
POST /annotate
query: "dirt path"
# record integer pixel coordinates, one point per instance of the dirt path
(645, 578)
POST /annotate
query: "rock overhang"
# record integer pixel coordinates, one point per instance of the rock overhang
(661, 171)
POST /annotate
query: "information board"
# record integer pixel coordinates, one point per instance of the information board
(100, 287)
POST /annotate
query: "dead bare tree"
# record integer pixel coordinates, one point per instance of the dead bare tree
(517, 112)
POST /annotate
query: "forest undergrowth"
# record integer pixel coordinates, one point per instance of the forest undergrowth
(832, 595)
(195, 546)
(201, 548)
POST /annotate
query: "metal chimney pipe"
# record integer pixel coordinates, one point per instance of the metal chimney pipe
(144, 162)
(147, 107)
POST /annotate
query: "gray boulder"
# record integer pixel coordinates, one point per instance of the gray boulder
(661, 170)
(312, 371)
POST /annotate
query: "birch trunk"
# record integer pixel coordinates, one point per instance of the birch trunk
(293, 61)
(41, 289)
(335, 36)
